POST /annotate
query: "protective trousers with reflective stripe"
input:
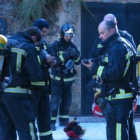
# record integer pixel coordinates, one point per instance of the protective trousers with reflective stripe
(122, 126)
(61, 97)
(42, 107)
(17, 114)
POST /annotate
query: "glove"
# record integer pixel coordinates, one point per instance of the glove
(69, 65)
(93, 85)
(71, 51)
(106, 108)
(89, 86)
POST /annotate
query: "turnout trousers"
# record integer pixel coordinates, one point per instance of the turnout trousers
(122, 126)
(42, 107)
(17, 114)
(61, 98)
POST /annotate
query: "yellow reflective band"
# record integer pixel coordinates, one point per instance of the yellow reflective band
(64, 116)
(56, 77)
(118, 131)
(61, 58)
(122, 91)
(120, 96)
(99, 46)
(39, 59)
(17, 90)
(106, 59)
(38, 83)
(32, 133)
(45, 133)
(127, 66)
(53, 118)
(45, 47)
(129, 54)
(61, 52)
(18, 62)
(77, 59)
(99, 71)
(21, 51)
(69, 79)
(38, 48)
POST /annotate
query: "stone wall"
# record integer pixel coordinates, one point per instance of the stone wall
(66, 11)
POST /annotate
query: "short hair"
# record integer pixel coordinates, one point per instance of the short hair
(110, 16)
(110, 24)
(33, 31)
(41, 23)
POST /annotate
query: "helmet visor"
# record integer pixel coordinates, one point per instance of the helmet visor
(68, 34)
(70, 31)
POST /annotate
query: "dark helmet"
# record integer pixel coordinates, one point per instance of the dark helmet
(74, 130)
(67, 29)
(41, 23)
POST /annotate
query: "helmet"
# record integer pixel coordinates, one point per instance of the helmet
(74, 130)
(96, 110)
(3, 41)
(67, 29)
(41, 23)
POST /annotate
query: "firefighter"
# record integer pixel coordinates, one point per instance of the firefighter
(98, 51)
(63, 74)
(117, 76)
(16, 108)
(42, 87)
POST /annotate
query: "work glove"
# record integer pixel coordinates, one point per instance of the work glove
(90, 85)
(93, 85)
(71, 51)
(106, 108)
(69, 64)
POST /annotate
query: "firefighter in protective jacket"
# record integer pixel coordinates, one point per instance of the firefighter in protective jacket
(98, 51)
(117, 74)
(63, 74)
(16, 108)
(42, 102)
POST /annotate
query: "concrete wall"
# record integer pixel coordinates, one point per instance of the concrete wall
(66, 11)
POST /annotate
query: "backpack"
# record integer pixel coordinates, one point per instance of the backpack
(5, 67)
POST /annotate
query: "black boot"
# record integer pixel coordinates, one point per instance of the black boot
(53, 127)
(63, 122)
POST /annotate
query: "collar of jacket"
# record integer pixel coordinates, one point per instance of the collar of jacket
(65, 44)
(109, 40)
(21, 36)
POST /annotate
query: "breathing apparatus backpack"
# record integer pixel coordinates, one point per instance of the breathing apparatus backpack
(5, 67)
(5, 72)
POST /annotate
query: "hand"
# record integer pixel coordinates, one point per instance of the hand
(89, 65)
(106, 108)
(53, 63)
(50, 59)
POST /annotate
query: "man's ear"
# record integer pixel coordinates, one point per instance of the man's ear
(112, 30)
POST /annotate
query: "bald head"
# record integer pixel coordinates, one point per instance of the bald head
(111, 17)
(106, 29)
